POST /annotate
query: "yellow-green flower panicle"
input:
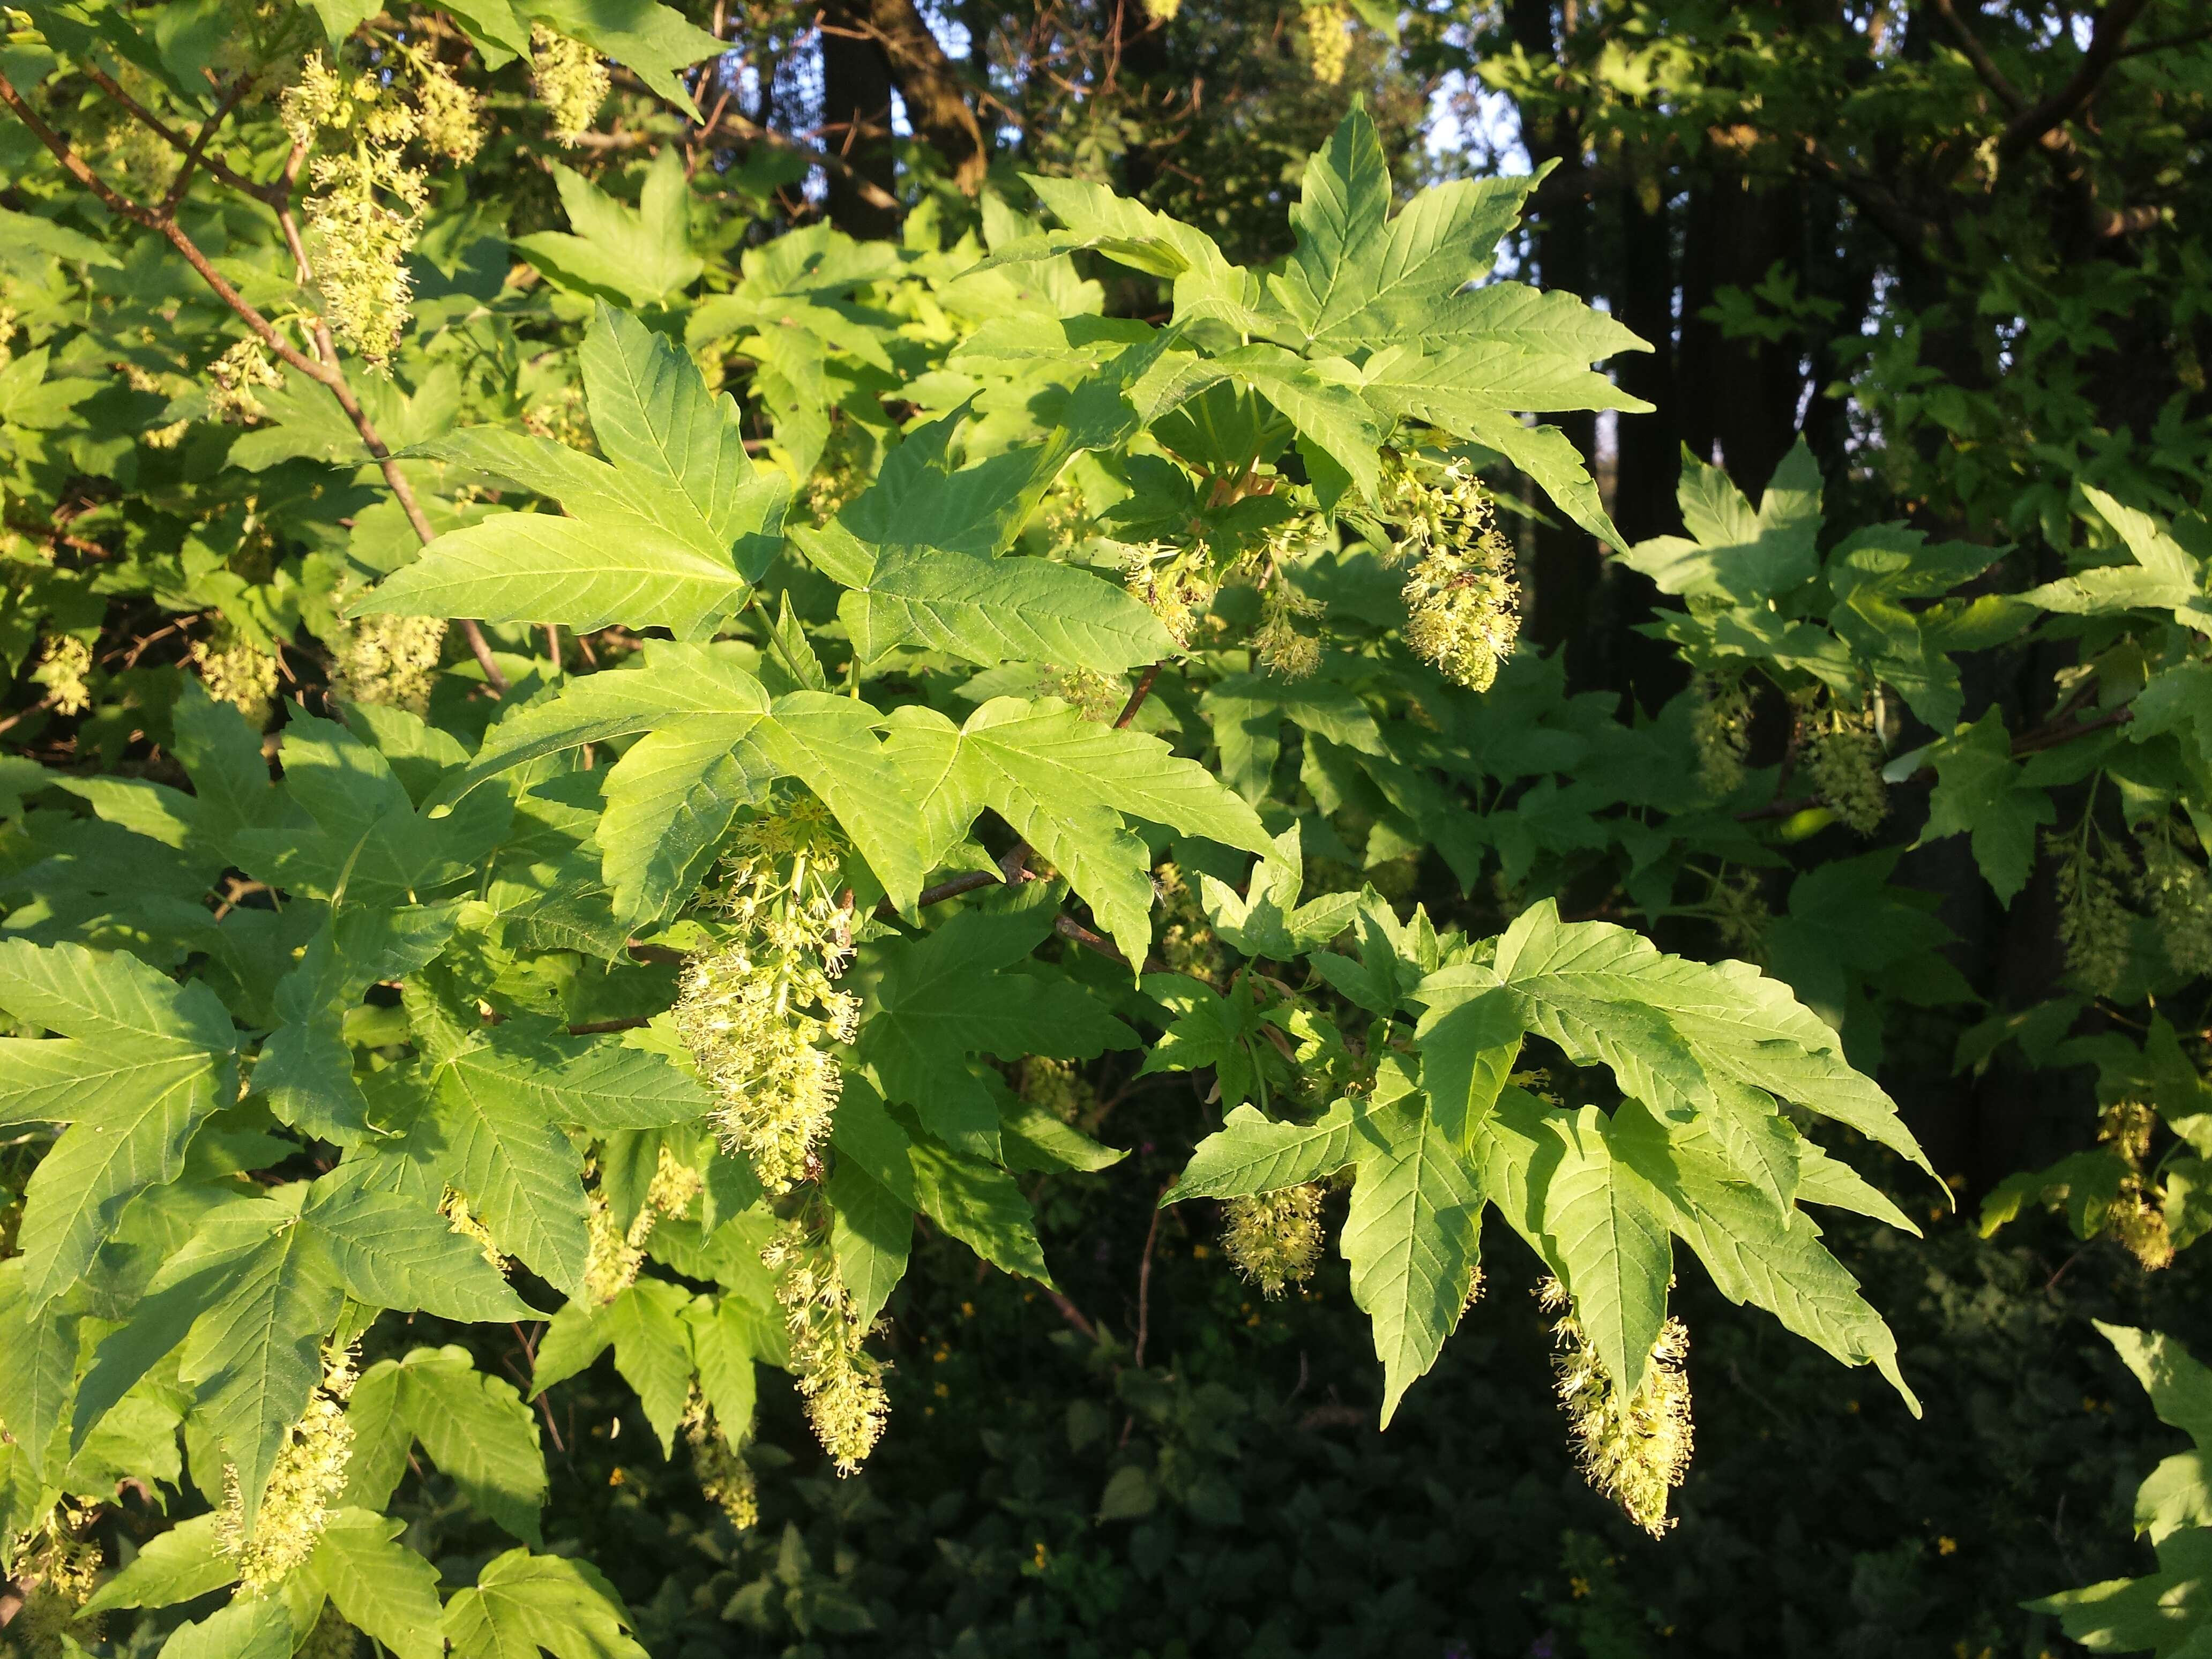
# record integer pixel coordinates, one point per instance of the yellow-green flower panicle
(761, 1015)
(841, 1384)
(726, 1479)
(309, 1473)
(1330, 40)
(2094, 924)
(55, 1571)
(1462, 603)
(1721, 730)
(236, 672)
(65, 669)
(390, 660)
(1273, 1239)
(233, 377)
(1635, 1451)
(1175, 583)
(2136, 1217)
(570, 80)
(614, 1254)
(1842, 762)
(2174, 887)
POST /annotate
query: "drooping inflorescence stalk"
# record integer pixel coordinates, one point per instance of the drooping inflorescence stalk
(309, 1473)
(1634, 1450)
(841, 1384)
(761, 1015)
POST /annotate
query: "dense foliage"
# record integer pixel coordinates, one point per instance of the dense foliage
(618, 798)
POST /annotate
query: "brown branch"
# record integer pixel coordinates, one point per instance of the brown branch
(1979, 55)
(328, 373)
(169, 135)
(2030, 124)
(1145, 1285)
(936, 99)
(1072, 1315)
(1143, 689)
(183, 181)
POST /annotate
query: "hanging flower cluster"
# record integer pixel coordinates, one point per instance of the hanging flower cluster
(2136, 1215)
(64, 668)
(1273, 1239)
(368, 199)
(615, 1254)
(1720, 727)
(309, 1473)
(1842, 762)
(761, 1015)
(57, 1570)
(726, 1479)
(1462, 604)
(570, 80)
(391, 660)
(237, 672)
(1636, 1451)
(2094, 923)
(841, 1382)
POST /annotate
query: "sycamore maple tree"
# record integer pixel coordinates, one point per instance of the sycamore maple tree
(669, 756)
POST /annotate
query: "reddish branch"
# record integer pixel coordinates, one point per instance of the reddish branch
(162, 219)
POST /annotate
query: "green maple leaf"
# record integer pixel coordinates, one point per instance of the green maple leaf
(379, 1585)
(139, 1064)
(1208, 1030)
(669, 531)
(1696, 1041)
(949, 995)
(1735, 551)
(2165, 576)
(978, 1204)
(349, 827)
(1980, 794)
(255, 1290)
(1754, 1252)
(494, 1107)
(1252, 1152)
(522, 1602)
(922, 552)
(720, 742)
(1266, 920)
(476, 1429)
(640, 256)
(646, 1325)
(1067, 785)
(1412, 1237)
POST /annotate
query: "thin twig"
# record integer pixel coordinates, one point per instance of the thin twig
(1144, 1284)
(328, 373)
(1072, 1315)
(1143, 689)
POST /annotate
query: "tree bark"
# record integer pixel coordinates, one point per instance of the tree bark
(856, 114)
(930, 85)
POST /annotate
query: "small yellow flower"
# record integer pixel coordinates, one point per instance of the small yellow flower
(235, 673)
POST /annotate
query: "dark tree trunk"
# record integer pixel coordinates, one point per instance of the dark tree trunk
(1568, 563)
(856, 116)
